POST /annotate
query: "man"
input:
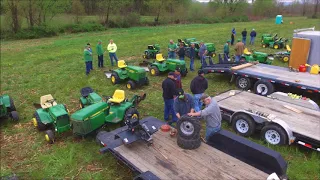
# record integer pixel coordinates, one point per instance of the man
(169, 90)
(192, 56)
(226, 49)
(177, 78)
(87, 59)
(100, 54)
(202, 52)
(112, 48)
(239, 50)
(90, 49)
(183, 104)
(198, 85)
(244, 36)
(233, 35)
(253, 35)
(211, 114)
(172, 50)
(181, 51)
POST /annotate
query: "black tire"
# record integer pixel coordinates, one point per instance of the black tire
(14, 115)
(285, 58)
(188, 127)
(243, 124)
(147, 82)
(133, 112)
(184, 73)
(40, 125)
(243, 83)
(116, 78)
(154, 71)
(187, 53)
(263, 87)
(188, 143)
(131, 85)
(277, 135)
(12, 106)
(50, 135)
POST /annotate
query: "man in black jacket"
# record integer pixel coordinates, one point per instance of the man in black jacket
(244, 36)
(198, 85)
(169, 90)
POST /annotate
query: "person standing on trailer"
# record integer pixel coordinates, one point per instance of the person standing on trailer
(112, 48)
(226, 49)
(87, 59)
(211, 114)
(168, 93)
(244, 36)
(100, 53)
(198, 86)
(202, 52)
(239, 48)
(183, 104)
(253, 35)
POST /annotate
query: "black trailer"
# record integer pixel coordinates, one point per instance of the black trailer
(225, 156)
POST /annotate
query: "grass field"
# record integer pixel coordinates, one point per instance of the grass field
(31, 68)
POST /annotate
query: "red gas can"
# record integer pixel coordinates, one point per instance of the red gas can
(302, 68)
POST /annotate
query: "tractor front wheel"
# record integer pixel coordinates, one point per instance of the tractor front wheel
(12, 106)
(115, 78)
(49, 136)
(285, 58)
(276, 46)
(154, 71)
(14, 115)
(131, 84)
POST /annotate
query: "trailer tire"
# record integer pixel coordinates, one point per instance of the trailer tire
(243, 124)
(188, 127)
(14, 115)
(188, 143)
(243, 83)
(131, 85)
(263, 87)
(273, 134)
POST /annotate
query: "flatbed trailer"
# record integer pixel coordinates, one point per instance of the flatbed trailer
(164, 159)
(280, 122)
(263, 78)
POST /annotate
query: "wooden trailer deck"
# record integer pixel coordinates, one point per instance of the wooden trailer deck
(306, 122)
(205, 162)
(283, 74)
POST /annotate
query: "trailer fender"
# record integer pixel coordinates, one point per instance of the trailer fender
(255, 117)
(285, 127)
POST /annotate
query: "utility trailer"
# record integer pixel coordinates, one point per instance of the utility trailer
(217, 159)
(263, 78)
(280, 121)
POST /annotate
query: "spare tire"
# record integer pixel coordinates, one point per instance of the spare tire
(189, 143)
(188, 127)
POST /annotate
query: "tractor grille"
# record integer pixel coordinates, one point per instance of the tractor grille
(81, 128)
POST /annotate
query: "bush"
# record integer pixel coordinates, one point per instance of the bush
(36, 32)
(87, 27)
(132, 19)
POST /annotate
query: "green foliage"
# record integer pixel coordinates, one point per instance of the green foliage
(264, 8)
(83, 27)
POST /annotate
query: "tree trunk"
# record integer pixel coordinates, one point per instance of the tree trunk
(108, 11)
(13, 7)
(316, 8)
(31, 20)
(304, 7)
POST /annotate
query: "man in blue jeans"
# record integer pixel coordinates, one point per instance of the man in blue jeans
(172, 48)
(192, 56)
(211, 114)
(112, 48)
(169, 91)
(198, 85)
(87, 59)
(253, 35)
(202, 52)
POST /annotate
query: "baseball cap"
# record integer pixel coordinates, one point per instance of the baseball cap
(200, 72)
(99, 40)
(171, 74)
(228, 41)
(180, 93)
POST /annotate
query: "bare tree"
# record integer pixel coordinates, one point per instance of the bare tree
(77, 9)
(304, 4)
(14, 13)
(317, 2)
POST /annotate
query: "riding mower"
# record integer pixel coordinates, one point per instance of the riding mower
(210, 48)
(134, 75)
(267, 39)
(86, 120)
(88, 97)
(284, 55)
(186, 42)
(162, 65)
(279, 43)
(256, 56)
(151, 52)
(7, 108)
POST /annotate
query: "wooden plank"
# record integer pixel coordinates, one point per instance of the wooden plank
(202, 163)
(306, 123)
(300, 52)
(242, 66)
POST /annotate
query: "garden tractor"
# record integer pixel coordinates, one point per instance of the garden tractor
(210, 48)
(162, 65)
(88, 97)
(7, 108)
(186, 42)
(264, 36)
(151, 52)
(134, 75)
(256, 56)
(267, 39)
(279, 43)
(284, 55)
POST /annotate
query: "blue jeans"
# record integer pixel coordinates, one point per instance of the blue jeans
(181, 58)
(88, 67)
(191, 63)
(113, 56)
(238, 57)
(100, 60)
(210, 131)
(171, 55)
(168, 109)
(244, 40)
(227, 55)
(252, 40)
(197, 102)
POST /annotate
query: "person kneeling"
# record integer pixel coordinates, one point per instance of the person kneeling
(183, 104)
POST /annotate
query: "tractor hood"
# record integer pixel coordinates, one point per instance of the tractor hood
(58, 110)
(94, 97)
(88, 111)
(260, 53)
(136, 69)
(176, 61)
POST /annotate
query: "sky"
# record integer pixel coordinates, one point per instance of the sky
(287, 1)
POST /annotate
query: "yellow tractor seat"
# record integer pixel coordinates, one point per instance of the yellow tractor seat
(118, 96)
(246, 51)
(288, 48)
(122, 64)
(159, 57)
(45, 101)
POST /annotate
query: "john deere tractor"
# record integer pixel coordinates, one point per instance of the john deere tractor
(51, 117)
(256, 56)
(279, 43)
(88, 97)
(210, 48)
(267, 38)
(134, 75)
(7, 108)
(284, 55)
(162, 65)
(151, 52)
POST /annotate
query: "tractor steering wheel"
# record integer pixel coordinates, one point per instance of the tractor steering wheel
(51, 101)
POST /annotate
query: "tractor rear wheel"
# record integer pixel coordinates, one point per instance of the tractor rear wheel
(131, 84)
(14, 115)
(49, 136)
(115, 78)
(285, 58)
(12, 106)
(154, 71)
(276, 46)
(37, 122)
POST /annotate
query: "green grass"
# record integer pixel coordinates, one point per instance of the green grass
(31, 68)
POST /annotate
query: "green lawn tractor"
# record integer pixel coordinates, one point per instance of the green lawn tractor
(186, 42)
(51, 117)
(162, 65)
(88, 97)
(151, 52)
(7, 108)
(210, 48)
(266, 39)
(134, 75)
(279, 43)
(256, 56)
(284, 55)
(265, 36)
